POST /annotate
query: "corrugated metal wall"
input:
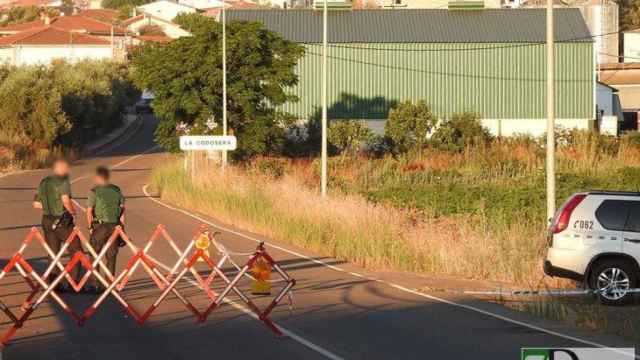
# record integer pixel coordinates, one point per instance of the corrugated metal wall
(498, 81)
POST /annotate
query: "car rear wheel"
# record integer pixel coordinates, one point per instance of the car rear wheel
(612, 279)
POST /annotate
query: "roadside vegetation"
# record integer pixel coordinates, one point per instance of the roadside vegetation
(458, 203)
(47, 111)
(22, 14)
(432, 196)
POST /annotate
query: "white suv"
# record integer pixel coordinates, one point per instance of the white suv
(595, 238)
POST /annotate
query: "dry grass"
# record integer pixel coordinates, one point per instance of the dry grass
(348, 227)
(477, 214)
(584, 312)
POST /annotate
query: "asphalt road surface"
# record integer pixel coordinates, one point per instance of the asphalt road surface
(339, 312)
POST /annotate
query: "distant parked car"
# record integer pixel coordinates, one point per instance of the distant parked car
(143, 106)
(595, 238)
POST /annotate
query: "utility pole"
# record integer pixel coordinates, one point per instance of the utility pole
(551, 159)
(323, 180)
(224, 80)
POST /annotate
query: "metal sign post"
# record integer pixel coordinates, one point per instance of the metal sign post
(224, 80)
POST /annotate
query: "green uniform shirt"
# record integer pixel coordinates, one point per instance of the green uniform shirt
(107, 202)
(50, 193)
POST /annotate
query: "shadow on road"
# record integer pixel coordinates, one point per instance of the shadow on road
(19, 227)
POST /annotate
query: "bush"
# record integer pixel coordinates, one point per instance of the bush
(32, 107)
(62, 104)
(349, 136)
(460, 130)
(117, 4)
(151, 30)
(19, 14)
(377, 146)
(271, 167)
(408, 125)
(632, 137)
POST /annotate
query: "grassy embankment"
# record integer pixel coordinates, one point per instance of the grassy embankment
(476, 214)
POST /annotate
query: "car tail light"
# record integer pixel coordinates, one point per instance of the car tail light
(561, 222)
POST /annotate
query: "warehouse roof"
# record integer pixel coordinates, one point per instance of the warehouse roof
(420, 25)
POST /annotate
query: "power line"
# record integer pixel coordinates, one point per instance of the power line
(472, 49)
(619, 56)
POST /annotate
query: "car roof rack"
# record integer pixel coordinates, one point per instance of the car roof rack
(614, 192)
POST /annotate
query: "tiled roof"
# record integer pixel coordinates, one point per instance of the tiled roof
(69, 23)
(93, 26)
(132, 20)
(22, 26)
(421, 25)
(49, 35)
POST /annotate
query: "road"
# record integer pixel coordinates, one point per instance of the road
(340, 311)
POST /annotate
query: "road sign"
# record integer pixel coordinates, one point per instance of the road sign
(195, 143)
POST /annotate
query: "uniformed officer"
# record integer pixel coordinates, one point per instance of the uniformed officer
(105, 211)
(53, 197)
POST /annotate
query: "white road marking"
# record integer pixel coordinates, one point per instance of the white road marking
(129, 159)
(393, 285)
(14, 173)
(299, 339)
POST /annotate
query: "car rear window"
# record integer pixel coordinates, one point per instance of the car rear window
(612, 214)
(633, 220)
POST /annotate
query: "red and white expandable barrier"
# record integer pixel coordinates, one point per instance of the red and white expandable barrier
(114, 284)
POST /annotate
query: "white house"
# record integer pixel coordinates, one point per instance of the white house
(45, 44)
(632, 46)
(165, 10)
(170, 29)
(608, 109)
(203, 4)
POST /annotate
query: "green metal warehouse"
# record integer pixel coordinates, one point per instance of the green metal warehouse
(489, 61)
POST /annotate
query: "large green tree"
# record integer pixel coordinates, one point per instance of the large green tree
(186, 79)
(629, 14)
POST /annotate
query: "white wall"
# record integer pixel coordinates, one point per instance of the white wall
(632, 47)
(171, 30)
(32, 55)
(509, 127)
(534, 127)
(6, 56)
(166, 10)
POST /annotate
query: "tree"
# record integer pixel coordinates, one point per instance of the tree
(62, 103)
(629, 14)
(67, 7)
(186, 79)
(19, 14)
(408, 125)
(117, 4)
(151, 29)
(125, 12)
(349, 135)
(460, 130)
